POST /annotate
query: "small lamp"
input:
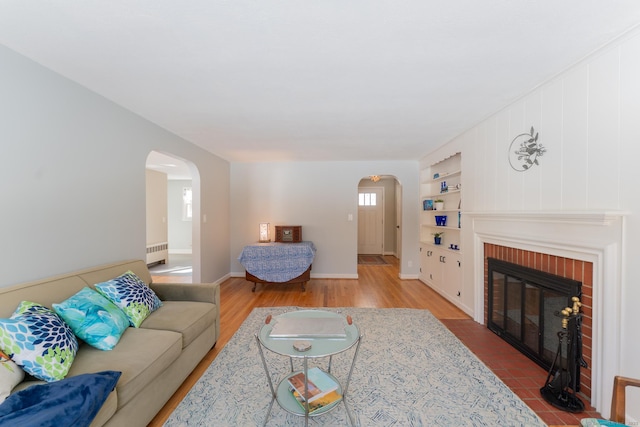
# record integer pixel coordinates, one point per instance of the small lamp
(264, 232)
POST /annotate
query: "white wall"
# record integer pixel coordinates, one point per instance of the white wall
(319, 196)
(73, 178)
(156, 207)
(180, 235)
(587, 118)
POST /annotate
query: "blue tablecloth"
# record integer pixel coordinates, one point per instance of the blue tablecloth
(277, 262)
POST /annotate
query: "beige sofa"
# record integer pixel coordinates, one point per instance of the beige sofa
(154, 359)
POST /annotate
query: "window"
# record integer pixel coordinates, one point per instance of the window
(367, 199)
(187, 204)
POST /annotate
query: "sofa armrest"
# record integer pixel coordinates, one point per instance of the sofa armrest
(202, 292)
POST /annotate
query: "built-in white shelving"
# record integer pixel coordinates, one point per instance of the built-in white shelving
(440, 264)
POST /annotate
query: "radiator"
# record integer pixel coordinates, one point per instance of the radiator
(157, 253)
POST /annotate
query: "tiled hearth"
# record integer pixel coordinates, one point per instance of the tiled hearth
(523, 376)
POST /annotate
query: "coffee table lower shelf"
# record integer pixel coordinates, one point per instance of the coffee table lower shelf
(288, 402)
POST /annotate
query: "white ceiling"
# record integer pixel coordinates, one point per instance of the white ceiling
(278, 80)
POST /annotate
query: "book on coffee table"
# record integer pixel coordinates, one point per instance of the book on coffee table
(322, 389)
(322, 402)
(319, 384)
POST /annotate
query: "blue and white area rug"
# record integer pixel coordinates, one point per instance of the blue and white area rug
(410, 371)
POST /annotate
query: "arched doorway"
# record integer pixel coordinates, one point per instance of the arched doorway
(172, 223)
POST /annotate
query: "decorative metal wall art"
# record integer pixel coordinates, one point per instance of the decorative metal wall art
(525, 150)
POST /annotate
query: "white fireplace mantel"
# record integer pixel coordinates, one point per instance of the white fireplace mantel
(593, 236)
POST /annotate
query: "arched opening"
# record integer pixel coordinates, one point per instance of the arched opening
(379, 218)
(172, 225)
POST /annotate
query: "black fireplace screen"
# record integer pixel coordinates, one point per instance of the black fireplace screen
(524, 308)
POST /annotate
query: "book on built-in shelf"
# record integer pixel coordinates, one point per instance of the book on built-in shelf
(319, 384)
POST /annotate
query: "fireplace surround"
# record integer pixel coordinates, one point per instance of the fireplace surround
(595, 239)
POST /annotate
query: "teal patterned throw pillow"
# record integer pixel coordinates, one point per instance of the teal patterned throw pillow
(93, 318)
(131, 295)
(39, 341)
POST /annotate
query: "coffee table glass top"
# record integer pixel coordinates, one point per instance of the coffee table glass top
(326, 338)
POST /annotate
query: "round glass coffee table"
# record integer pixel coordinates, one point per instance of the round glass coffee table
(304, 335)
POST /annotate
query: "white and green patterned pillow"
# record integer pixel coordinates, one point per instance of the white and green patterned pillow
(39, 341)
(131, 295)
(10, 376)
(93, 318)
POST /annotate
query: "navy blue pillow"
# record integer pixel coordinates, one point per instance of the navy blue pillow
(73, 401)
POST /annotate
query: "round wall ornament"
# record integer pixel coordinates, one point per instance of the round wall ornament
(524, 151)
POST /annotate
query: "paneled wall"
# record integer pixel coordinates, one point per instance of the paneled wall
(578, 117)
(588, 120)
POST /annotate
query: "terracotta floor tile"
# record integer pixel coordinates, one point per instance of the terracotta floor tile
(518, 372)
(550, 417)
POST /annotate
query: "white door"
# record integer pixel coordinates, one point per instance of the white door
(370, 220)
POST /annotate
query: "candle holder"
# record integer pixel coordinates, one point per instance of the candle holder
(264, 233)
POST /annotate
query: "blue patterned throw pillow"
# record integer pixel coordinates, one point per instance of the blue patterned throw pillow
(39, 341)
(131, 295)
(93, 318)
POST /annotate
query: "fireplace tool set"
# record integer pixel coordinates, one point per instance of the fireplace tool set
(560, 391)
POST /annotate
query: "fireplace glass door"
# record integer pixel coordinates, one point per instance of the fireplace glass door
(524, 308)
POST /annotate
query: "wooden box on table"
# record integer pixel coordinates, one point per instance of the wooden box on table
(289, 233)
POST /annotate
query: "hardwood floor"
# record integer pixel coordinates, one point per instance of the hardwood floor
(377, 286)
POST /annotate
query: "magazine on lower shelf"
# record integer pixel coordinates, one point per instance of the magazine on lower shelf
(319, 403)
(319, 384)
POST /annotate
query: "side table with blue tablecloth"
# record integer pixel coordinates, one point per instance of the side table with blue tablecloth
(278, 262)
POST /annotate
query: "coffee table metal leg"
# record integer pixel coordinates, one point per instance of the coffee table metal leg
(346, 386)
(266, 371)
(349, 416)
(353, 364)
(306, 392)
(266, 419)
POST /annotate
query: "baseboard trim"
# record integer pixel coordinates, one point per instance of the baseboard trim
(180, 252)
(313, 276)
(334, 276)
(222, 279)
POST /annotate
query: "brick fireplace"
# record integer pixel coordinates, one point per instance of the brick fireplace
(587, 246)
(574, 269)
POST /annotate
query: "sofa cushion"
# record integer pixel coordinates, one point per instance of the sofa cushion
(186, 317)
(131, 295)
(141, 355)
(10, 376)
(93, 318)
(39, 341)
